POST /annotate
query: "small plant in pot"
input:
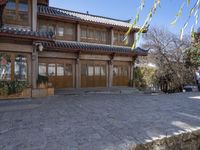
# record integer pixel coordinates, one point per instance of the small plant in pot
(42, 81)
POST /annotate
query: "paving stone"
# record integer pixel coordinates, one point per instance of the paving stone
(96, 121)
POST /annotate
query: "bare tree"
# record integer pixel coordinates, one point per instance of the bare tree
(167, 53)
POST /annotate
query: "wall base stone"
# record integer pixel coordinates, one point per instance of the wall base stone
(185, 141)
(38, 93)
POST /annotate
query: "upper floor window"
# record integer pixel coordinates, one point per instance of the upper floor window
(84, 33)
(119, 38)
(94, 35)
(62, 31)
(17, 12)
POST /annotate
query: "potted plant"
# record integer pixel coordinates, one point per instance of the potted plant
(42, 81)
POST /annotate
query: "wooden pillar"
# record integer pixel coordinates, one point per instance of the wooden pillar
(110, 75)
(131, 72)
(112, 37)
(77, 74)
(107, 75)
(34, 15)
(78, 33)
(34, 67)
(77, 71)
(12, 58)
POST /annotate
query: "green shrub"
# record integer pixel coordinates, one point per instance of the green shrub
(12, 87)
(42, 79)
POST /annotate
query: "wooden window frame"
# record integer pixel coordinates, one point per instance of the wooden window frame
(118, 41)
(16, 20)
(12, 58)
(99, 35)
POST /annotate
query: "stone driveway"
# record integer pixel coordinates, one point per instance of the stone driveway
(95, 122)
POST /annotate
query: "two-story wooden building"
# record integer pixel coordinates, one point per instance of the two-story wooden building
(74, 49)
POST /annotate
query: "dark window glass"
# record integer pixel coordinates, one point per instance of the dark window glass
(20, 67)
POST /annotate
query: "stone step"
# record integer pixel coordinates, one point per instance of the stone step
(82, 91)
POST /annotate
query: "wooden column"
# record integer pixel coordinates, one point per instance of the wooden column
(34, 15)
(77, 71)
(78, 33)
(107, 75)
(34, 67)
(110, 75)
(112, 37)
(131, 70)
(12, 58)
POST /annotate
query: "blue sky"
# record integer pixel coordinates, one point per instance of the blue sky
(126, 9)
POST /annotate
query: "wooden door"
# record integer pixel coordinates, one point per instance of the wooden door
(121, 75)
(93, 74)
(60, 72)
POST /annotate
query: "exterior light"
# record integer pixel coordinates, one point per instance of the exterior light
(40, 47)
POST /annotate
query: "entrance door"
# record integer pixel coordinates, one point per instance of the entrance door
(120, 75)
(60, 73)
(93, 75)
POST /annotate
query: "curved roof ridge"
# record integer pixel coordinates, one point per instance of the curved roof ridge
(58, 12)
(110, 18)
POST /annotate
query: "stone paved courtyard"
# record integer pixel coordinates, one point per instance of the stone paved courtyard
(95, 122)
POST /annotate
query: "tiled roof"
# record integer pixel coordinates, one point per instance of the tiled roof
(78, 16)
(91, 47)
(26, 33)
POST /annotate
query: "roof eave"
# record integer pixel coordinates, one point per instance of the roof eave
(26, 37)
(83, 21)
